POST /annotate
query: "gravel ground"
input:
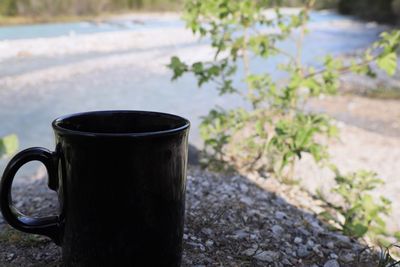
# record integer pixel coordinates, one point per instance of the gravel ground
(234, 220)
(230, 221)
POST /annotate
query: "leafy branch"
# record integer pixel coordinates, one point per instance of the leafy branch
(274, 132)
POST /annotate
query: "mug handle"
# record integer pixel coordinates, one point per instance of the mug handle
(48, 226)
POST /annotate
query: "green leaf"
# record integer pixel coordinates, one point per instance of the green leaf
(388, 63)
(8, 145)
(260, 128)
(397, 235)
(333, 131)
(303, 137)
(380, 222)
(327, 216)
(359, 230)
(197, 67)
(177, 66)
(213, 71)
(317, 152)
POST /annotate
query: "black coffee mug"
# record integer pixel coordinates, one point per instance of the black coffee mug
(121, 180)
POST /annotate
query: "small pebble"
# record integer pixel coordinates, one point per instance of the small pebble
(342, 238)
(10, 256)
(310, 243)
(244, 188)
(330, 245)
(279, 215)
(333, 256)
(277, 230)
(246, 200)
(331, 263)
(240, 234)
(267, 256)
(209, 243)
(249, 251)
(302, 251)
(298, 240)
(349, 257)
(317, 251)
(207, 231)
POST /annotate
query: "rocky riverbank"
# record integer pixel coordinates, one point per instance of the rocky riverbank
(231, 220)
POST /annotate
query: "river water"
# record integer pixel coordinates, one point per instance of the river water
(55, 69)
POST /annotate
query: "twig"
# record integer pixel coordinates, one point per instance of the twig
(341, 70)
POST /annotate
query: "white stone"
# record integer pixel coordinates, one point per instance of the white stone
(333, 256)
(331, 263)
(330, 245)
(268, 256)
(249, 251)
(277, 230)
(244, 188)
(246, 200)
(298, 240)
(280, 215)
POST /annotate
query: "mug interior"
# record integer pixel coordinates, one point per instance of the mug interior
(120, 122)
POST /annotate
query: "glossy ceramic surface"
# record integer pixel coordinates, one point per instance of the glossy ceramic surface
(121, 179)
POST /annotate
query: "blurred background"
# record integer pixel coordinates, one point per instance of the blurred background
(59, 57)
(64, 56)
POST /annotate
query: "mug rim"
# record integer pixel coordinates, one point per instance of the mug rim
(65, 131)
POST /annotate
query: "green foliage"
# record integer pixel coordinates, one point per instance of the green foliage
(8, 145)
(297, 135)
(178, 67)
(8, 7)
(274, 131)
(231, 27)
(80, 7)
(216, 130)
(389, 44)
(240, 31)
(359, 213)
(388, 63)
